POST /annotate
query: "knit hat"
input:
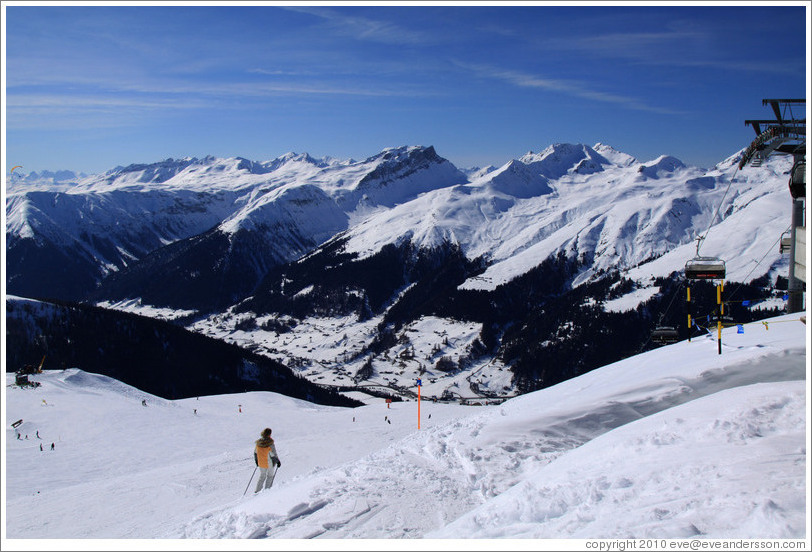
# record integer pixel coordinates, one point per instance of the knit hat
(266, 433)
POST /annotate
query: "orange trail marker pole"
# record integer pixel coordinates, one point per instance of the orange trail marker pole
(419, 384)
(689, 314)
(719, 302)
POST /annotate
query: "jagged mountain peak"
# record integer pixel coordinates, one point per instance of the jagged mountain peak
(162, 171)
(297, 158)
(562, 158)
(663, 165)
(402, 173)
(43, 180)
(402, 153)
(557, 151)
(251, 167)
(187, 172)
(475, 173)
(153, 172)
(392, 160)
(517, 179)
(614, 156)
(57, 177)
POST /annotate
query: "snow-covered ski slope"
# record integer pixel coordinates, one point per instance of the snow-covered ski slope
(676, 442)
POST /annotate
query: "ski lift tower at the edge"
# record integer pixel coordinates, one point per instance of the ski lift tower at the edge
(786, 134)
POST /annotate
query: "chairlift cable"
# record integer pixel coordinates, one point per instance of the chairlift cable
(701, 239)
(673, 297)
(759, 262)
(662, 315)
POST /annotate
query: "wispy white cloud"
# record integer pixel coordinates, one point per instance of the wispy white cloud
(169, 92)
(54, 111)
(267, 89)
(45, 101)
(93, 103)
(776, 67)
(639, 45)
(568, 87)
(365, 28)
(281, 72)
(680, 47)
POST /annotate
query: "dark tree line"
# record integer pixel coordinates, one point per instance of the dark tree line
(545, 330)
(154, 356)
(541, 327)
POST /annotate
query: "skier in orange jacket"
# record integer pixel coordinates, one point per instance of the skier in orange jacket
(264, 452)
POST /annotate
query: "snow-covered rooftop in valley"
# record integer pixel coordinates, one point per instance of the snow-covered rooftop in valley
(677, 442)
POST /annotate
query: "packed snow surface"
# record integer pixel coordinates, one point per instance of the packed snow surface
(676, 442)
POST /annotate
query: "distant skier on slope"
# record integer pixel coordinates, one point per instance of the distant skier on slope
(264, 452)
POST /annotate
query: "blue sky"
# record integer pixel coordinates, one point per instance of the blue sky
(90, 88)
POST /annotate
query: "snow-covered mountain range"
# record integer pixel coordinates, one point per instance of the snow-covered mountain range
(63, 238)
(366, 253)
(589, 201)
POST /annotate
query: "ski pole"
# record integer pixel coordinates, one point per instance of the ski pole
(249, 481)
(273, 475)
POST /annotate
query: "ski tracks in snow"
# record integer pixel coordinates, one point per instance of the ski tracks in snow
(431, 478)
(437, 475)
(443, 473)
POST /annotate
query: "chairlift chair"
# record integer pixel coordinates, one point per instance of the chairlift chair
(727, 321)
(665, 334)
(786, 243)
(705, 268)
(797, 179)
